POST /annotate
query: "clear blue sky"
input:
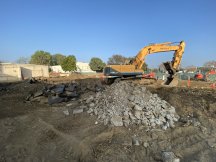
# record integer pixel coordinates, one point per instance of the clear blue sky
(101, 28)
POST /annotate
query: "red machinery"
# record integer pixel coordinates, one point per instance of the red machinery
(150, 75)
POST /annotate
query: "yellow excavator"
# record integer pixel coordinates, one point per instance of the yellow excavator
(134, 68)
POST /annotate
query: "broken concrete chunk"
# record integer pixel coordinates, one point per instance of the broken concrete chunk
(58, 89)
(131, 98)
(169, 157)
(55, 99)
(28, 97)
(90, 99)
(137, 107)
(66, 112)
(71, 87)
(38, 93)
(43, 100)
(91, 104)
(70, 104)
(71, 94)
(137, 114)
(77, 111)
(212, 142)
(146, 144)
(117, 121)
(90, 110)
(135, 141)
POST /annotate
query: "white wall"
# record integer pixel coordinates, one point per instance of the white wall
(10, 71)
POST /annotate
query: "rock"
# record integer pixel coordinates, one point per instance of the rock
(91, 98)
(171, 123)
(138, 108)
(91, 104)
(212, 142)
(126, 123)
(143, 89)
(55, 99)
(28, 97)
(116, 121)
(137, 114)
(36, 99)
(145, 144)
(168, 156)
(58, 89)
(164, 127)
(66, 112)
(158, 121)
(135, 141)
(70, 104)
(168, 116)
(131, 98)
(176, 160)
(43, 100)
(71, 94)
(127, 143)
(71, 87)
(83, 107)
(132, 117)
(38, 93)
(77, 111)
(90, 110)
(204, 129)
(106, 121)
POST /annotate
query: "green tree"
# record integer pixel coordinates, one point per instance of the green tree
(57, 59)
(41, 58)
(23, 60)
(96, 64)
(69, 63)
(117, 60)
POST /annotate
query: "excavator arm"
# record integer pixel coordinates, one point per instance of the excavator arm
(163, 47)
(172, 67)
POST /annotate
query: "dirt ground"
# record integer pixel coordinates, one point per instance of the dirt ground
(39, 132)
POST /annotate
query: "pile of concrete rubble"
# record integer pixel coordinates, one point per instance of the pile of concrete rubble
(124, 104)
(52, 94)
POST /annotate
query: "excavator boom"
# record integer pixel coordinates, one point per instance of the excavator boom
(163, 47)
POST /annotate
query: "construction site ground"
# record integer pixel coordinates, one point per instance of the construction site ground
(39, 132)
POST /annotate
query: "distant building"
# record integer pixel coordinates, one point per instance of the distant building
(83, 67)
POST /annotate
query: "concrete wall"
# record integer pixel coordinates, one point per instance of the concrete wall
(31, 70)
(10, 72)
(13, 72)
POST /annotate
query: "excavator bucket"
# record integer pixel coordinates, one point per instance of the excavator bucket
(171, 79)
